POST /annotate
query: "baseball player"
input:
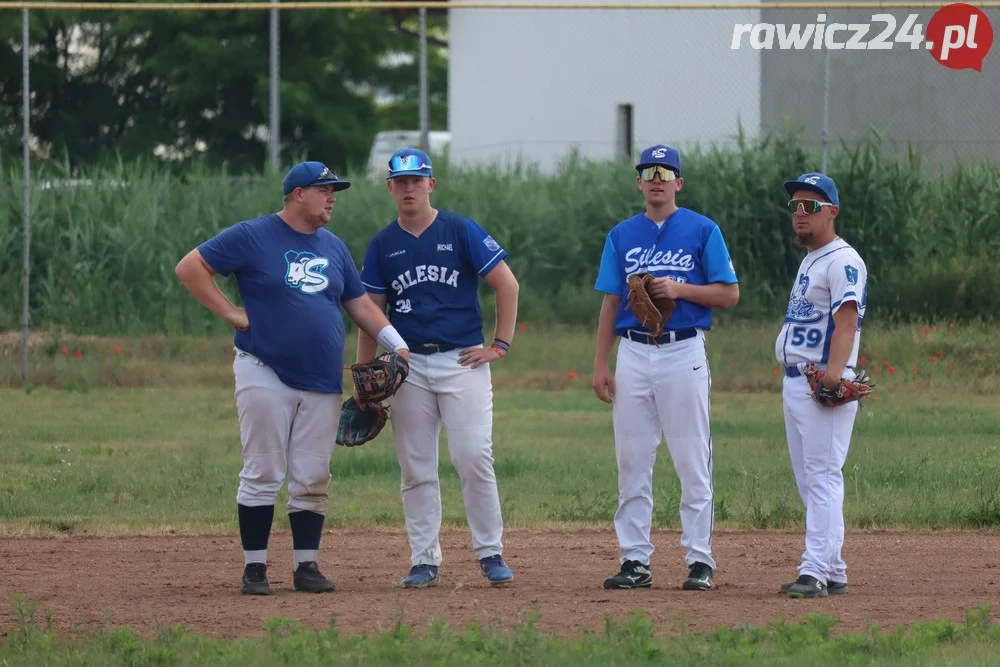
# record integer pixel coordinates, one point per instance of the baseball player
(293, 277)
(822, 326)
(661, 386)
(425, 266)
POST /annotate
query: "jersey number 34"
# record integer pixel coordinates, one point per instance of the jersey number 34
(807, 336)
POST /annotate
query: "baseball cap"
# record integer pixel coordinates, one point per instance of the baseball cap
(409, 162)
(661, 155)
(306, 174)
(817, 182)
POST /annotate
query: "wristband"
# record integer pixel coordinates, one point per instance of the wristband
(390, 339)
(501, 347)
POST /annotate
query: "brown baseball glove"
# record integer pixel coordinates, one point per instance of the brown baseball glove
(653, 313)
(380, 378)
(845, 391)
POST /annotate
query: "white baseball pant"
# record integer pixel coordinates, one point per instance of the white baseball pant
(818, 441)
(283, 430)
(663, 391)
(438, 390)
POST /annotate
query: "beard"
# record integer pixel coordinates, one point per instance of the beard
(804, 239)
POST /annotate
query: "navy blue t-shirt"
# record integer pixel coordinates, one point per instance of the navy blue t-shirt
(292, 285)
(431, 282)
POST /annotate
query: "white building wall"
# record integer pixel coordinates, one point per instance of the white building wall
(532, 85)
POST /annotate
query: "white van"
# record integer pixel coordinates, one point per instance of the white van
(387, 143)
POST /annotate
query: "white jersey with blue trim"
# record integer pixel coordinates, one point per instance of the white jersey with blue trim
(827, 278)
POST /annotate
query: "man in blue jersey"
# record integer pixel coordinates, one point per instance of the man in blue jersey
(426, 266)
(661, 386)
(293, 277)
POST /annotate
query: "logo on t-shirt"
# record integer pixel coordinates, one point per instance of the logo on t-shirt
(305, 272)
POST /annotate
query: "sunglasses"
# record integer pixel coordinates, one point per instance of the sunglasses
(809, 206)
(407, 163)
(665, 174)
(327, 175)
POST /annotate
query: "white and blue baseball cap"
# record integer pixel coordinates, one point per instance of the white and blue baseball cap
(409, 162)
(306, 174)
(661, 155)
(817, 182)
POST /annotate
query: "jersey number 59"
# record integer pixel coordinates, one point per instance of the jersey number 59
(806, 336)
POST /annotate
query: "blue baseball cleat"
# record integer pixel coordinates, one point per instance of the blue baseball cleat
(420, 576)
(496, 570)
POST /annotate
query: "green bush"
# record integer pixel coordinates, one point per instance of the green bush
(103, 254)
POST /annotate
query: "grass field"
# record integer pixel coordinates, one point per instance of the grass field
(140, 436)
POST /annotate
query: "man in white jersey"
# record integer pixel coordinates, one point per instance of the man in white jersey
(822, 327)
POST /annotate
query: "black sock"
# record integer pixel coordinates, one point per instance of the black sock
(307, 528)
(255, 526)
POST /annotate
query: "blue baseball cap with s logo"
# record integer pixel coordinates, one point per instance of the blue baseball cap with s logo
(818, 183)
(659, 154)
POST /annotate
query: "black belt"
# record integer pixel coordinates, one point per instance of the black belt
(669, 337)
(432, 348)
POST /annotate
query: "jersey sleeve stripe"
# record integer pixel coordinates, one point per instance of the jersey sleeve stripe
(374, 288)
(491, 261)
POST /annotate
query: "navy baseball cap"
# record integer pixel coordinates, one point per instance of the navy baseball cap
(817, 182)
(660, 155)
(306, 174)
(410, 162)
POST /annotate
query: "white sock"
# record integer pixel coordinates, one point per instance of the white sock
(255, 557)
(303, 555)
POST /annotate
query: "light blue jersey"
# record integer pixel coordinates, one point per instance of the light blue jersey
(688, 247)
(284, 277)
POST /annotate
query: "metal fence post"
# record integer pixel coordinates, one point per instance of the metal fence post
(424, 111)
(26, 168)
(274, 134)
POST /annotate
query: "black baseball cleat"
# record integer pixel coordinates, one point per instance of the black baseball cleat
(699, 577)
(309, 579)
(633, 575)
(832, 587)
(806, 586)
(255, 580)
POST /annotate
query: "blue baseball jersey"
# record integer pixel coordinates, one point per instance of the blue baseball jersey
(431, 282)
(688, 247)
(292, 286)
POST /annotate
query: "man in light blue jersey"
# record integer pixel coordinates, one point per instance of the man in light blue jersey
(425, 266)
(661, 386)
(294, 277)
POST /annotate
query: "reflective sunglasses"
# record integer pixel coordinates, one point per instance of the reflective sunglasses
(649, 173)
(809, 206)
(407, 163)
(327, 175)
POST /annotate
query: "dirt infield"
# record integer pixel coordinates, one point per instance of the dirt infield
(142, 582)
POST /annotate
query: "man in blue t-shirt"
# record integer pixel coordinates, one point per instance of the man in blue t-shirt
(661, 386)
(426, 266)
(293, 277)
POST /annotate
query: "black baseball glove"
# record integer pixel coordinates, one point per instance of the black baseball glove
(380, 378)
(359, 425)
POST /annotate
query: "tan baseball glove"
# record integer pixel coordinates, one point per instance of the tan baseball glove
(653, 313)
(846, 391)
